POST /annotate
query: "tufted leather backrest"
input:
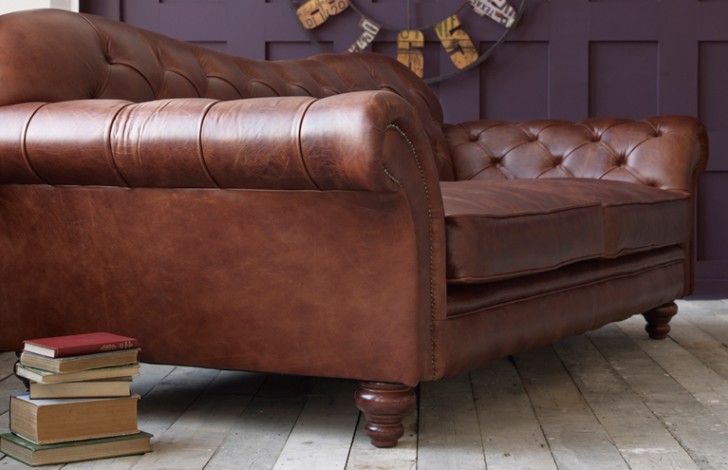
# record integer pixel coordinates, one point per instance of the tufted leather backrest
(613, 149)
(54, 55)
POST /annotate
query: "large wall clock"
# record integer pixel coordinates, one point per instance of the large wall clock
(449, 30)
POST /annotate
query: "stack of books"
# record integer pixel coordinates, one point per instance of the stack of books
(79, 405)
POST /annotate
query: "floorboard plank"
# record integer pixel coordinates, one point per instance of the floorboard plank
(700, 344)
(699, 432)
(708, 388)
(511, 434)
(7, 361)
(322, 436)
(638, 434)
(168, 400)
(193, 438)
(260, 433)
(710, 316)
(9, 386)
(150, 376)
(449, 435)
(575, 436)
(364, 456)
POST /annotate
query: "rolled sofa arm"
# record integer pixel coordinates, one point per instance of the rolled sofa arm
(279, 143)
(667, 152)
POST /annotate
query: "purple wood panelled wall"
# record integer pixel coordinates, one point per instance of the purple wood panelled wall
(567, 59)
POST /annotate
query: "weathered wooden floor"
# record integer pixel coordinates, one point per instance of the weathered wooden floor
(610, 399)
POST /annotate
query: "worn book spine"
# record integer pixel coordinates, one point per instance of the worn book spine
(74, 451)
(74, 345)
(55, 420)
(87, 389)
(43, 376)
(78, 363)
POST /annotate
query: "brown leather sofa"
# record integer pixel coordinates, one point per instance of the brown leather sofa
(316, 216)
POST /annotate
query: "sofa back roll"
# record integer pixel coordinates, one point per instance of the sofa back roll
(105, 59)
(599, 148)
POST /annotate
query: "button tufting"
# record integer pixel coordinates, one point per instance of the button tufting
(473, 137)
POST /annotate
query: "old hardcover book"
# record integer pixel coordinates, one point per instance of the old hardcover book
(45, 377)
(82, 362)
(60, 420)
(90, 389)
(34, 454)
(74, 345)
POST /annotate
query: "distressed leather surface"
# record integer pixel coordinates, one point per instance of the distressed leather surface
(289, 216)
(118, 61)
(503, 229)
(661, 152)
(218, 232)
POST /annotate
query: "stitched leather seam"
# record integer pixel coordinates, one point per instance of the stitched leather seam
(300, 145)
(110, 149)
(225, 80)
(391, 176)
(481, 310)
(105, 85)
(199, 145)
(25, 144)
(185, 78)
(110, 63)
(433, 364)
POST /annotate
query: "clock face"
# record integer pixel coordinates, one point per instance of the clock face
(449, 30)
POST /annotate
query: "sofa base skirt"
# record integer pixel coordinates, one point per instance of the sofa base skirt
(468, 340)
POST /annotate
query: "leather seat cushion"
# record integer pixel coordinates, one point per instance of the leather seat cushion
(508, 228)
(637, 217)
(498, 229)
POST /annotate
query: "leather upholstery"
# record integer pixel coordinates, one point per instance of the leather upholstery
(500, 229)
(465, 299)
(469, 341)
(607, 148)
(117, 238)
(201, 143)
(497, 230)
(117, 61)
(315, 216)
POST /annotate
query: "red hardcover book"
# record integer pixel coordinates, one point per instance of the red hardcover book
(74, 345)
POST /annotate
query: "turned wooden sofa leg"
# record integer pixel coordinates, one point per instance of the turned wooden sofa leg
(658, 320)
(385, 405)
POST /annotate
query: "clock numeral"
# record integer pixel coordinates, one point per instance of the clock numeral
(407, 40)
(370, 29)
(498, 10)
(314, 13)
(456, 42)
